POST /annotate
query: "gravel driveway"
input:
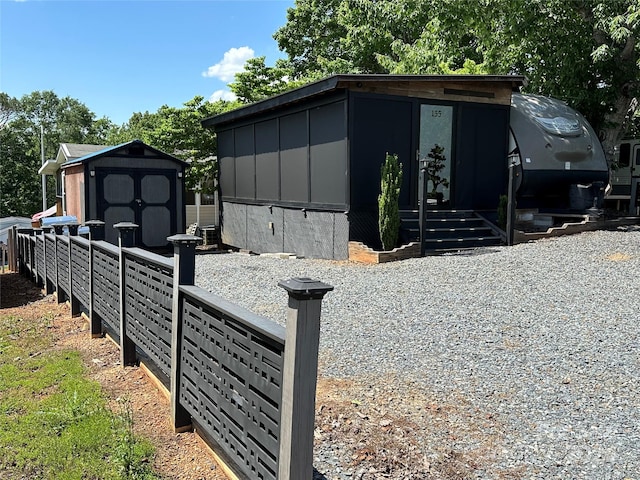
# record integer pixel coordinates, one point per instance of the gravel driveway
(532, 351)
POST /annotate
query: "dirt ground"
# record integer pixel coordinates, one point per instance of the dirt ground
(178, 456)
(375, 431)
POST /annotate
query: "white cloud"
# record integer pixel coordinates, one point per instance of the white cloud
(232, 62)
(222, 95)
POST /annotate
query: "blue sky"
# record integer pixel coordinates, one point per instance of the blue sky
(124, 56)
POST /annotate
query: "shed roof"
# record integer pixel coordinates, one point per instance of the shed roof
(365, 83)
(67, 152)
(106, 151)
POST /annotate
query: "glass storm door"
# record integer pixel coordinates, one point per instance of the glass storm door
(436, 132)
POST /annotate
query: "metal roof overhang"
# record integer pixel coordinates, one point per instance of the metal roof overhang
(50, 167)
(336, 82)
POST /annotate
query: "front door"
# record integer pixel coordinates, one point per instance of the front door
(436, 134)
(144, 197)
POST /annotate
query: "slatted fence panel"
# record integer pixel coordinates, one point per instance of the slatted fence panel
(50, 260)
(106, 284)
(62, 253)
(148, 297)
(39, 255)
(81, 278)
(24, 243)
(231, 378)
(31, 248)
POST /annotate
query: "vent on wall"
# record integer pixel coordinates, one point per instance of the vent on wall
(137, 150)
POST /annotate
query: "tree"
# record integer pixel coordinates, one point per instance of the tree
(435, 165)
(258, 81)
(178, 132)
(388, 205)
(62, 120)
(586, 52)
(311, 36)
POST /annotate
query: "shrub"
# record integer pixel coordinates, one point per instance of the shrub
(388, 205)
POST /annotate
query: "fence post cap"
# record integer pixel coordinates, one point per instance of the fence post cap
(184, 239)
(305, 288)
(90, 223)
(126, 226)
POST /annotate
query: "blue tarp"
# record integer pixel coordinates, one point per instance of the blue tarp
(58, 220)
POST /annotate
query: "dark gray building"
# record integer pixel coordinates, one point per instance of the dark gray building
(300, 172)
(131, 182)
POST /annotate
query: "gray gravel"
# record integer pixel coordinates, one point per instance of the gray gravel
(541, 338)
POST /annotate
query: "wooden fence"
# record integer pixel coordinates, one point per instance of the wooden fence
(245, 383)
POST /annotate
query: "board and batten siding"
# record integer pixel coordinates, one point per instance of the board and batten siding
(297, 159)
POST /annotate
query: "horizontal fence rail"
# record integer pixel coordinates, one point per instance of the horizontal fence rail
(50, 262)
(232, 363)
(246, 383)
(106, 284)
(148, 294)
(81, 268)
(62, 254)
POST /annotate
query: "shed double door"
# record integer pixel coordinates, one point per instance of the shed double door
(146, 198)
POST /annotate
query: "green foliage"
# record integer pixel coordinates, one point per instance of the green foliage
(435, 165)
(179, 132)
(258, 81)
(388, 205)
(585, 52)
(63, 120)
(54, 423)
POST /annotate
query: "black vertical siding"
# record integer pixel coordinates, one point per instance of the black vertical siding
(327, 151)
(267, 160)
(481, 173)
(227, 165)
(380, 125)
(245, 163)
(296, 158)
(294, 165)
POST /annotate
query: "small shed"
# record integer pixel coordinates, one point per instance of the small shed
(300, 172)
(66, 153)
(131, 182)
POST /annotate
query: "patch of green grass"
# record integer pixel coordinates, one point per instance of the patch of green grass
(54, 422)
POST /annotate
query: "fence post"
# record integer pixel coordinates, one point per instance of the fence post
(96, 232)
(39, 233)
(126, 239)
(59, 230)
(299, 377)
(23, 245)
(184, 271)
(48, 287)
(75, 304)
(11, 245)
(33, 273)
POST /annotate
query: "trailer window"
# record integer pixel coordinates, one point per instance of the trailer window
(625, 155)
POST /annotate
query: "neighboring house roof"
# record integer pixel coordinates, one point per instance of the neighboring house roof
(337, 82)
(7, 223)
(106, 151)
(67, 152)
